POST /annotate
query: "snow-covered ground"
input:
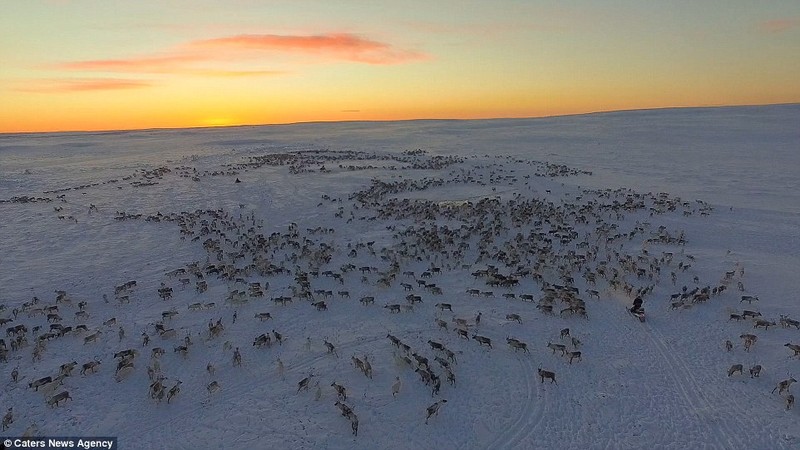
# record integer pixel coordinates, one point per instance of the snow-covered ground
(546, 202)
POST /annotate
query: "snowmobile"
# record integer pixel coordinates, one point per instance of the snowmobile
(639, 313)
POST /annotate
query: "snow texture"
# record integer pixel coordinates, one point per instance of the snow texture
(536, 207)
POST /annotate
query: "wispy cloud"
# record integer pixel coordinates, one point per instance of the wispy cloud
(192, 56)
(146, 64)
(51, 86)
(344, 46)
(778, 25)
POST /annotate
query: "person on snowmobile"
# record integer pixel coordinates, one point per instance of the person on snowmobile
(637, 305)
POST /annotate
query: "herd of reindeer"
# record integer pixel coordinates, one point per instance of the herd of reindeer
(560, 251)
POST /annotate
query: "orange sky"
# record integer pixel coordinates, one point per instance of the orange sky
(107, 64)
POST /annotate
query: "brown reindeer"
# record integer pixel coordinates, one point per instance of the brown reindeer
(433, 410)
(547, 374)
(784, 385)
(735, 368)
(56, 399)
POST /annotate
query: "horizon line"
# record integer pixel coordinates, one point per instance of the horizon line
(421, 119)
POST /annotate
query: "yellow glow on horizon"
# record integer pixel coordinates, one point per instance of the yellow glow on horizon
(287, 63)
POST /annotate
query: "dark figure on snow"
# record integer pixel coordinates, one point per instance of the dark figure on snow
(637, 305)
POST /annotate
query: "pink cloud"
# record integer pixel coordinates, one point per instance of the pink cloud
(190, 57)
(82, 85)
(778, 25)
(344, 46)
(148, 64)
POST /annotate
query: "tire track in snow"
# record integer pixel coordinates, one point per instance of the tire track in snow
(683, 377)
(527, 420)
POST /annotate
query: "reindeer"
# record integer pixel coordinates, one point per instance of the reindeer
(749, 340)
(793, 347)
(345, 410)
(424, 375)
(676, 305)
(125, 363)
(90, 366)
(263, 316)
(735, 368)
(395, 341)
(156, 388)
(40, 382)
(435, 345)
(174, 390)
(331, 348)
(762, 323)
(237, 357)
(546, 374)
(303, 384)
(443, 306)
(789, 401)
(92, 337)
(514, 317)
(559, 347)
(464, 334)
(482, 340)
(437, 384)
(574, 355)
(8, 419)
(517, 344)
(441, 323)
(786, 322)
(421, 360)
(341, 392)
(753, 314)
(728, 345)
(213, 331)
(278, 337)
(749, 299)
(451, 356)
(132, 353)
(755, 371)
(451, 378)
(367, 368)
(353, 422)
(433, 410)
(564, 333)
(320, 305)
(56, 399)
(66, 369)
(784, 385)
(261, 340)
(358, 363)
(461, 322)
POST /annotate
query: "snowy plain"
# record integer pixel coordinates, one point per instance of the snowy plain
(86, 212)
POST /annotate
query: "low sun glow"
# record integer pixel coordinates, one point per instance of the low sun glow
(156, 64)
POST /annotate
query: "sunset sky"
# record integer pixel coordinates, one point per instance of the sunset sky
(120, 64)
